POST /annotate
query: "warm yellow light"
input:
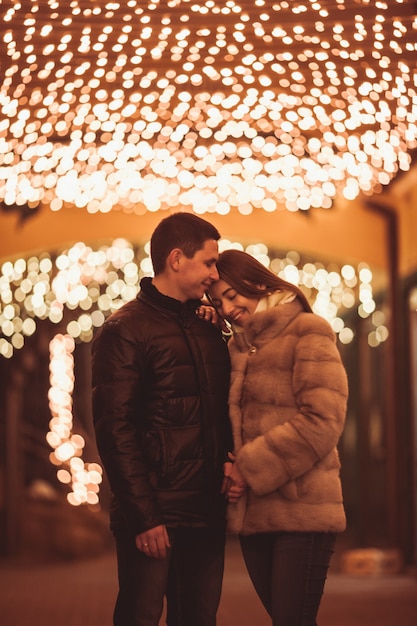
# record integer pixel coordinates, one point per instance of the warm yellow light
(68, 446)
(91, 284)
(287, 83)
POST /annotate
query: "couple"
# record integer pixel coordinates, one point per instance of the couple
(187, 440)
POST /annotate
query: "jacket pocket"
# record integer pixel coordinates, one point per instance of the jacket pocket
(181, 457)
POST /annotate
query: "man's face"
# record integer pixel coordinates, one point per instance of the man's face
(196, 275)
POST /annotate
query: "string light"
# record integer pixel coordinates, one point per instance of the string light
(83, 479)
(87, 285)
(214, 106)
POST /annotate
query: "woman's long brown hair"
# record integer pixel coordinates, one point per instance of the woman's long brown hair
(252, 279)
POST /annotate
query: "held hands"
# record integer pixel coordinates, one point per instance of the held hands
(153, 542)
(234, 485)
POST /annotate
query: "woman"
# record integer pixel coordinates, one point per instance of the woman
(287, 403)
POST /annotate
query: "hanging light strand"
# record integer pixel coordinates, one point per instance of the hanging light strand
(212, 106)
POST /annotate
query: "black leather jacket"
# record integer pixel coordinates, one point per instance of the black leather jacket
(160, 387)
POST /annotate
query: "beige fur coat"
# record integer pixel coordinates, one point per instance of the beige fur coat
(287, 400)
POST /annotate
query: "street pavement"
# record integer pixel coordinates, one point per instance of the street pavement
(82, 593)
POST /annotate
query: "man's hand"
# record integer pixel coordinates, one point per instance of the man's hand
(154, 542)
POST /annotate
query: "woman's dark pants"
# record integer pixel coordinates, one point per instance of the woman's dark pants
(288, 571)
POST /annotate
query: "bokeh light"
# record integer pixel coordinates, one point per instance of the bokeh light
(83, 479)
(215, 106)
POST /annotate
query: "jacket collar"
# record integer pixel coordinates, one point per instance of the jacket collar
(149, 293)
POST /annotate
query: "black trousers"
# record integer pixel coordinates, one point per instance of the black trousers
(190, 577)
(289, 571)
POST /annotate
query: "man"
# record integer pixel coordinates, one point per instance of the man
(160, 387)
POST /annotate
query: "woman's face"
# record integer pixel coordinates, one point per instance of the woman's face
(230, 304)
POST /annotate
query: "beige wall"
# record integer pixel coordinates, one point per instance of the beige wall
(347, 233)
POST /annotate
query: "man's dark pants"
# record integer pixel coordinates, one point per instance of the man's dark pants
(190, 577)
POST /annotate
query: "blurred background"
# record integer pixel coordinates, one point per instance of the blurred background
(292, 127)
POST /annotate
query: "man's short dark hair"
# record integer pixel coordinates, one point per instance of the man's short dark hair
(185, 231)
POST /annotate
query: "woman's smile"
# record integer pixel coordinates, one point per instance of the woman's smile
(231, 305)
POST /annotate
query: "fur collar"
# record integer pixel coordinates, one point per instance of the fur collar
(267, 323)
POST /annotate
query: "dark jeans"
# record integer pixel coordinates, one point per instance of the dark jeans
(288, 571)
(191, 577)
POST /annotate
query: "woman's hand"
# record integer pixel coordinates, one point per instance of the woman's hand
(209, 313)
(234, 485)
